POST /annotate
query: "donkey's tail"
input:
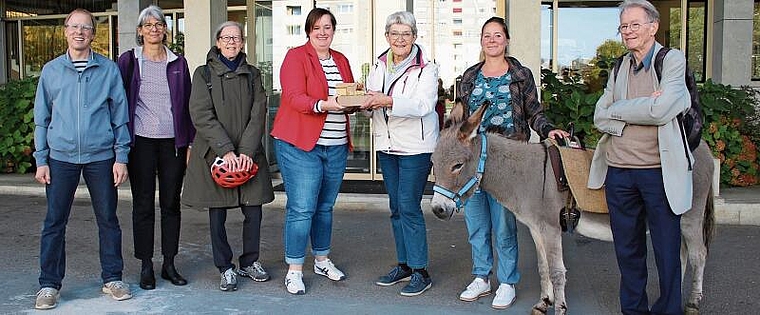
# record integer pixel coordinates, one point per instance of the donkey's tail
(708, 227)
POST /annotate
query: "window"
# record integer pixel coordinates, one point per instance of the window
(294, 10)
(456, 10)
(583, 44)
(345, 8)
(456, 21)
(294, 29)
(756, 43)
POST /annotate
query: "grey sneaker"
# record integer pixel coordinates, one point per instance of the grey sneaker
(417, 285)
(255, 272)
(118, 290)
(47, 298)
(396, 275)
(229, 280)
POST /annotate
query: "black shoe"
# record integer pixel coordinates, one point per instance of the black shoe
(170, 273)
(147, 279)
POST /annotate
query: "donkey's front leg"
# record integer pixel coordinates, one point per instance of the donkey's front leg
(555, 259)
(547, 293)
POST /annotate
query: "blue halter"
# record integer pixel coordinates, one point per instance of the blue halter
(473, 182)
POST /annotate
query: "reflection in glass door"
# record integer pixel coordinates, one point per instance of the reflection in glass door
(353, 37)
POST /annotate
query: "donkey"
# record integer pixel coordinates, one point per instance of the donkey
(518, 175)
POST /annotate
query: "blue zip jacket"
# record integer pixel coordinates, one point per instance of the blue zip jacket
(80, 118)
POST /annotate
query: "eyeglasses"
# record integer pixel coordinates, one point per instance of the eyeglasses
(82, 27)
(633, 27)
(231, 39)
(405, 35)
(158, 25)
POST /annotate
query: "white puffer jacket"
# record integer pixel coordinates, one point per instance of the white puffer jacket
(411, 125)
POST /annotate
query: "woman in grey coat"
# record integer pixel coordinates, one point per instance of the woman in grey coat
(228, 109)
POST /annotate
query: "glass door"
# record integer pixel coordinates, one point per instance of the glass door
(353, 37)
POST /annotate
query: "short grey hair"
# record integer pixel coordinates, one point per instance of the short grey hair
(401, 17)
(152, 11)
(227, 24)
(651, 11)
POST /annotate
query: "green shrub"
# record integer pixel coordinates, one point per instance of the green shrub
(570, 102)
(731, 129)
(17, 125)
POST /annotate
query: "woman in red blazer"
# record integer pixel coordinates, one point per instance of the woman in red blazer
(311, 142)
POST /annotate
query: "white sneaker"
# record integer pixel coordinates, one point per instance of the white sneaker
(505, 296)
(475, 290)
(294, 283)
(327, 269)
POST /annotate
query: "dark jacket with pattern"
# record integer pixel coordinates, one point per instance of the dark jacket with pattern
(527, 111)
(229, 117)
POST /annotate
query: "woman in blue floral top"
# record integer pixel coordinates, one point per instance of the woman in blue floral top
(514, 110)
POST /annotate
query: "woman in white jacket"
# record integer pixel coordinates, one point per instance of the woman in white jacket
(403, 89)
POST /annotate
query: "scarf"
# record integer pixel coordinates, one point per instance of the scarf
(396, 70)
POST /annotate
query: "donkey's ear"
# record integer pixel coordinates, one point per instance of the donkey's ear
(457, 113)
(470, 128)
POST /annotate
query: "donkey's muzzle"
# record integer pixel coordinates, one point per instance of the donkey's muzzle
(443, 208)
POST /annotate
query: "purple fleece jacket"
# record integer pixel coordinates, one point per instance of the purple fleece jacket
(178, 76)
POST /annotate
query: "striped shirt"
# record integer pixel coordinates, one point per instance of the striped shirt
(153, 114)
(334, 131)
(79, 65)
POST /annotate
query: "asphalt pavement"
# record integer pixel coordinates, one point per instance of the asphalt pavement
(362, 248)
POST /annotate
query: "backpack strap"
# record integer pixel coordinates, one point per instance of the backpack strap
(658, 62)
(130, 66)
(616, 67)
(206, 74)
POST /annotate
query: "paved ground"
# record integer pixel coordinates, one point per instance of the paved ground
(362, 247)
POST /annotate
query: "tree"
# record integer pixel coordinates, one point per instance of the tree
(610, 49)
(598, 69)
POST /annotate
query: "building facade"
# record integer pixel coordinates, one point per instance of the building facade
(720, 37)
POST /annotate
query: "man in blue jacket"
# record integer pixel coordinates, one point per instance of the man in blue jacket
(80, 117)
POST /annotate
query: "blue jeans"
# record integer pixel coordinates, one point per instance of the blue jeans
(60, 197)
(636, 198)
(486, 216)
(312, 181)
(405, 177)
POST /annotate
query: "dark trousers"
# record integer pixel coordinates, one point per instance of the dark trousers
(251, 236)
(636, 198)
(60, 197)
(147, 159)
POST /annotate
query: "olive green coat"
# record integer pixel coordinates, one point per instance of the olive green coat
(234, 121)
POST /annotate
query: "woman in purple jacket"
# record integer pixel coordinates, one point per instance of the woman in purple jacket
(158, 91)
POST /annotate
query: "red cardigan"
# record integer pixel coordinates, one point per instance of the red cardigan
(304, 83)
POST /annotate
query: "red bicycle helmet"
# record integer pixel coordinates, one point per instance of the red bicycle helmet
(227, 178)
